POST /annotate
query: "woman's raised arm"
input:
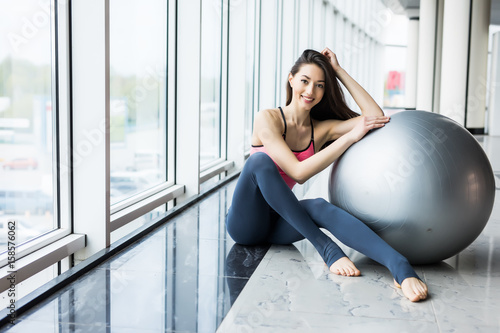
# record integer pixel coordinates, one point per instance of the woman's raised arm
(365, 102)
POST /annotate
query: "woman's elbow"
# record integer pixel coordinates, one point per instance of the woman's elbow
(372, 111)
(300, 178)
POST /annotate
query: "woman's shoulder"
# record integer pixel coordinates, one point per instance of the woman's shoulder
(269, 116)
(267, 121)
(270, 112)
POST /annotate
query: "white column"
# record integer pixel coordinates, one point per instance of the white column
(426, 54)
(478, 63)
(288, 57)
(268, 56)
(304, 42)
(454, 59)
(188, 97)
(91, 152)
(494, 88)
(438, 58)
(237, 83)
(411, 64)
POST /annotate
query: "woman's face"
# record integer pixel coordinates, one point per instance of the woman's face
(308, 85)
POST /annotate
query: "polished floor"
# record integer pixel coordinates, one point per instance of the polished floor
(189, 276)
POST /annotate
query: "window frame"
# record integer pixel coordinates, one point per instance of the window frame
(218, 165)
(138, 204)
(61, 177)
(58, 243)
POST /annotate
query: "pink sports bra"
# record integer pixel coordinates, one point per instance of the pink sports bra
(301, 155)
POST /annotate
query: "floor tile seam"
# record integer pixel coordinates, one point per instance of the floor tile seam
(433, 307)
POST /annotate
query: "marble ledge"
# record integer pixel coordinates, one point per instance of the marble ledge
(293, 291)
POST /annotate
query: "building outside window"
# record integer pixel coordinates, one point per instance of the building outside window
(138, 96)
(28, 145)
(211, 69)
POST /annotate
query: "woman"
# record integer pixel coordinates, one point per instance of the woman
(285, 145)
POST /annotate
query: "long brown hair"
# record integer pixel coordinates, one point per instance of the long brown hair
(333, 104)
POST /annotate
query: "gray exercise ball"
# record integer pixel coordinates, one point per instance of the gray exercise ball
(422, 183)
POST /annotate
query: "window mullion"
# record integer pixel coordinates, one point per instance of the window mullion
(91, 124)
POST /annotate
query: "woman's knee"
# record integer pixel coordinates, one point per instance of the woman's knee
(259, 160)
(245, 229)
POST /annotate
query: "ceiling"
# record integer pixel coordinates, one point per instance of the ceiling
(409, 6)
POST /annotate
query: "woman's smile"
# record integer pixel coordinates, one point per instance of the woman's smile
(307, 99)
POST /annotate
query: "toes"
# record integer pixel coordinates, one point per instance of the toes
(414, 290)
(337, 270)
(344, 267)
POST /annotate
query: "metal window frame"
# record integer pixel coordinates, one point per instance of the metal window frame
(223, 88)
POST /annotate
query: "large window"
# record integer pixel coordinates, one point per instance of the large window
(159, 71)
(395, 64)
(138, 96)
(27, 120)
(211, 72)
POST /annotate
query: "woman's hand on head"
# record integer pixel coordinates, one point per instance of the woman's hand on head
(365, 124)
(332, 57)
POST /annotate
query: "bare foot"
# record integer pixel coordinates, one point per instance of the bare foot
(344, 266)
(414, 289)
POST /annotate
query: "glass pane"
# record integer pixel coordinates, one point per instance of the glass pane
(211, 35)
(138, 44)
(26, 120)
(249, 82)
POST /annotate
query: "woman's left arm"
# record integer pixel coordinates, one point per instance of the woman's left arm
(365, 102)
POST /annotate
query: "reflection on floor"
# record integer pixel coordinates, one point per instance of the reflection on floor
(186, 276)
(182, 278)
